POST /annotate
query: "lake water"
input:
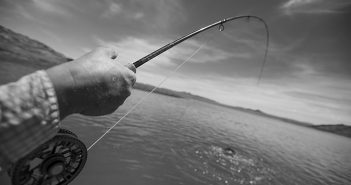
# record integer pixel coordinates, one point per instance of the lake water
(169, 140)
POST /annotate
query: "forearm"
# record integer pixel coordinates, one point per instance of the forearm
(29, 116)
(30, 109)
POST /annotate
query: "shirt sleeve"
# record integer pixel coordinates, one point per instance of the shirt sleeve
(29, 116)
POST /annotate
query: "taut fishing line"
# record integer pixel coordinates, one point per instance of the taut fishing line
(147, 95)
(168, 46)
(60, 160)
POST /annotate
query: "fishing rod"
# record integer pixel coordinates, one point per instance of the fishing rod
(60, 160)
(170, 45)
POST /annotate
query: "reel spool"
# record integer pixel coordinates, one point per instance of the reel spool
(56, 162)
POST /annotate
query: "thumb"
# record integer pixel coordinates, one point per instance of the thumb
(131, 67)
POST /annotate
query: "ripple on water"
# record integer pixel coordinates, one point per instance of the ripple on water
(212, 164)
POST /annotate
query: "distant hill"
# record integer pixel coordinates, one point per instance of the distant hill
(339, 129)
(20, 55)
(22, 49)
(177, 94)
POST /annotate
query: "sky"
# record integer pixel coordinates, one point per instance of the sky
(307, 75)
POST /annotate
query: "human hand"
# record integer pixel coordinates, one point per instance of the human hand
(94, 84)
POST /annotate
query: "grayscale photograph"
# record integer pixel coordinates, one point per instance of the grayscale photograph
(175, 92)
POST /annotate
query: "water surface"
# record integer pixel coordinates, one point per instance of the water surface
(179, 141)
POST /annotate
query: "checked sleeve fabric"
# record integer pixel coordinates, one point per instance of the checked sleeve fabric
(29, 116)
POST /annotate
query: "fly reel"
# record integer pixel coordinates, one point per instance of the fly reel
(56, 162)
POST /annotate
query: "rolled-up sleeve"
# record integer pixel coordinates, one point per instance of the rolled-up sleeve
(29, 116)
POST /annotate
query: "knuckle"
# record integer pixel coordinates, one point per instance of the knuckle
(127, 75)
(128, 92)
(133, 80)
(130, 79)
(108, 50)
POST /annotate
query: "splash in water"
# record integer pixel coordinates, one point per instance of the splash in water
(226, 166)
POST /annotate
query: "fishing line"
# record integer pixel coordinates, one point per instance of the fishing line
(149, 93)
(265, 52)
(221, 28)
(176, 42)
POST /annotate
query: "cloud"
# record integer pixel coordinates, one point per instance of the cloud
(34, 10)
(52, 6)
(112, 10)
(168, 12)
(319, 97)
(298, 3)
(288, 61)
(321, 102)
(313, 6)
(161, 13)
(15, 9)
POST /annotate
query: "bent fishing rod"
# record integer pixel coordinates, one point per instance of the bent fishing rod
(170, 45)
(61, 159)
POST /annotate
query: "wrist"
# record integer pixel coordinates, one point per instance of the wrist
(63, 83)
